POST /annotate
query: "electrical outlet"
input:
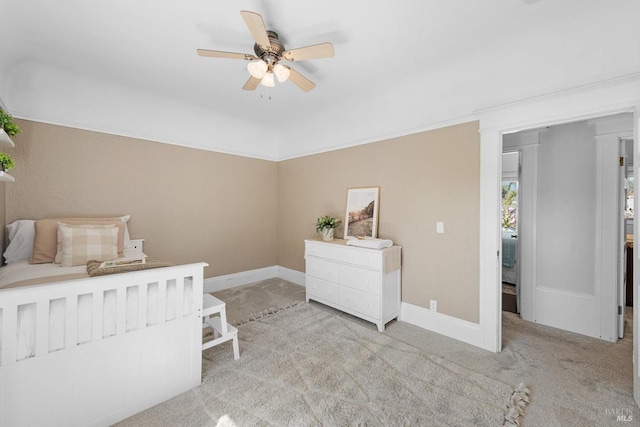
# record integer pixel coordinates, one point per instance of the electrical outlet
(433, 305)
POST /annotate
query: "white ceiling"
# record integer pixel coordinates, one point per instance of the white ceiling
(129, 67)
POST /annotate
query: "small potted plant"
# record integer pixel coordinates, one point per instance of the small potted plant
(326, 225)
(6, 162)
(7, 123)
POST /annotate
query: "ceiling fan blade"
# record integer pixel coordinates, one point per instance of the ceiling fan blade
(301, 81)
(222, 54)
(323, 50)
(256, 26)
(251, 84)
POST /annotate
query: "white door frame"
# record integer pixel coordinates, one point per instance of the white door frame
(587, 102)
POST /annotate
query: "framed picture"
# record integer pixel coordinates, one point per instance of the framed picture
(361, 219)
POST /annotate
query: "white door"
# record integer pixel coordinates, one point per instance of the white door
(636, 268)
(569, 229)
(509, 221)
(622, 253)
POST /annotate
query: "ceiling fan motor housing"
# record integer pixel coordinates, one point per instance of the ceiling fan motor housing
(270, 54)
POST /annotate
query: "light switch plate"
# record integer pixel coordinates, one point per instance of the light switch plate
(440, 227)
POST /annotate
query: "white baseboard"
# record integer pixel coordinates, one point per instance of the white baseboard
(293, 276)
(227, 281)
(213, 284)
(449, 326)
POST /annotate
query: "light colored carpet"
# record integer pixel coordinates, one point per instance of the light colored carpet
(245, 302)
(307, 366)
(574, 380)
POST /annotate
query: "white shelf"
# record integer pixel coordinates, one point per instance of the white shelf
(5, 139)
(5, 177)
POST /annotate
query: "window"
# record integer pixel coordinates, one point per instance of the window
(510, 205)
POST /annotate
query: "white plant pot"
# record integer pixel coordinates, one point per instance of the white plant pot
(327, 234)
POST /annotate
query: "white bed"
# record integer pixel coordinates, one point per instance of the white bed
(95, 350)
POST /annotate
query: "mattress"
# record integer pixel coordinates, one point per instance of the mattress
(19, 271)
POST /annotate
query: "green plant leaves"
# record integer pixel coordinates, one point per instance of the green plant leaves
(7, 123)
(327, 222)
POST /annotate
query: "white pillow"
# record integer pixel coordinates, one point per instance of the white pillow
(127, 238)
(20, 235)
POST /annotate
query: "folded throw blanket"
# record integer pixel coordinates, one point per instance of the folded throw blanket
(93, 267)
(370, 243)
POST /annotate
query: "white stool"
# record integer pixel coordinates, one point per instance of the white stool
(222, 331)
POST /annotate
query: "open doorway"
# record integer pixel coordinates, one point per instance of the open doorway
(563, 225)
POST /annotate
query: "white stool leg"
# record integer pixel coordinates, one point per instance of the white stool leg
(236, 349)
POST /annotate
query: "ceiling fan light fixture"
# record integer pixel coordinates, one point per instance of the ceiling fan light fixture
(264, 66)
(267, 80)
(281, 72)
(257, 68)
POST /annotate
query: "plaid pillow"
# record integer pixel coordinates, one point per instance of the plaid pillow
(58, 258)
(79, 245)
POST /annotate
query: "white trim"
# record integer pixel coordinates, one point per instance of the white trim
(563, 93)
(139, 135)
(489, 332)
(636, 264)
(608, 98)
(293, 276)
(214, 284)
(383, 136)
(442, 324)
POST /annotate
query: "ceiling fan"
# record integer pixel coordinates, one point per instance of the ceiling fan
(269, 51)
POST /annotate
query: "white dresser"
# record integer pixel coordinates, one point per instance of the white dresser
(359, 281)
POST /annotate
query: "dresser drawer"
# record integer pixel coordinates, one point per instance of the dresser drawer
(361, 278)
(323, 250)
(364, 258)
(322, 269)
(362, 302)
(347, 254)
(322, 289)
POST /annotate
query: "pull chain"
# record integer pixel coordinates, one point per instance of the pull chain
(262, 93)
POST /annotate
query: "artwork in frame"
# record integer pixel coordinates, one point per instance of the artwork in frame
(361, 219)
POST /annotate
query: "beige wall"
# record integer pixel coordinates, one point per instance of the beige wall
(239, 214)
(423, 178)
(190, 205)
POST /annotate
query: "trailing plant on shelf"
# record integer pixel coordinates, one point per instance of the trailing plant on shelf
(7, 123)
(6, 162)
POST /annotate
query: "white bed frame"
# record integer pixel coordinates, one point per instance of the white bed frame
(108, 379)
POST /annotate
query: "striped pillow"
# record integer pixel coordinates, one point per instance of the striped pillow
(80, 245)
